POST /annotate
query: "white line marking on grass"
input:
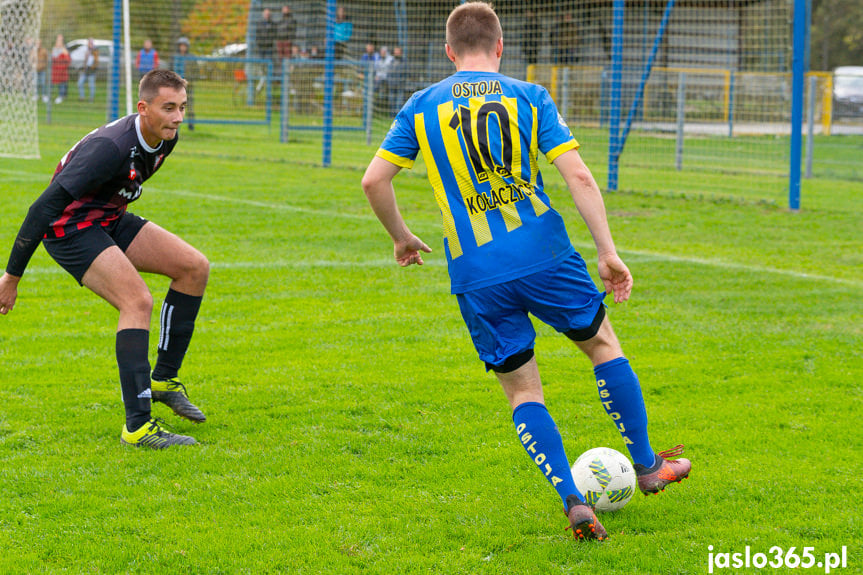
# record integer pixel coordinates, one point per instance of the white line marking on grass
(273, 265)
(283, 264)
(380, 262)
(21, 175)
(269, 205)
(746, 268)
(440, 262)
(731, 265)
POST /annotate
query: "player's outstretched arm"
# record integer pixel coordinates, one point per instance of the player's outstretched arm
(378, 186)
(585, 193)
(45, 209)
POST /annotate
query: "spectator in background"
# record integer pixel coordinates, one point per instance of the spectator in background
(40, 56)
(370, 55)
(382, 72)
(369, 59)
(185, 69)
(397, 80)
(265, 35)
(344, 29)
(88, 71)
(286, 33)
(148, 58)
(382, 65)
(60, 68)
(180, 62)
(565, 40)
(530, 36)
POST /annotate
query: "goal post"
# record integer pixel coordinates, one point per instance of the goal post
(698, 91)
(20, 87)
(618, 132)
(800, 33)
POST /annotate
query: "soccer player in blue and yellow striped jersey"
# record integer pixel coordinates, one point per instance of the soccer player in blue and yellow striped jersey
(508, 251)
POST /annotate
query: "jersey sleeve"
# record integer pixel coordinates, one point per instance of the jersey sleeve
(555, 137)
(400, 146)
(44, 210)
(89, 166)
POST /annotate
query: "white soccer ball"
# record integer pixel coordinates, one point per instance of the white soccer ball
(605, 477)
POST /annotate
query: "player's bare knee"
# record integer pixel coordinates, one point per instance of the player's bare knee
(599, 341)
(192, 270)
(603, 347)
(138, 302)
(199, 269)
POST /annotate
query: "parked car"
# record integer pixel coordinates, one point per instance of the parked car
(848, 92)
(230, 51)
(78, 51)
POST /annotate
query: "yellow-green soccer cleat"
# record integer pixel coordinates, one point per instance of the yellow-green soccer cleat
(173, 394)
(152, 435)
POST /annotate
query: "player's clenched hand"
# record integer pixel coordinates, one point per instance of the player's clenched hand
(8, 293)
(615, 277)
(407, 252)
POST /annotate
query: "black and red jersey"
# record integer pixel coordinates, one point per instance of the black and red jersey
(104, 172)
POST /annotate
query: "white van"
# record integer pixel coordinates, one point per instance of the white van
(78, 51)
(848, 92)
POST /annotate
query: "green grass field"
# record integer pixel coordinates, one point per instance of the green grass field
(351, 428)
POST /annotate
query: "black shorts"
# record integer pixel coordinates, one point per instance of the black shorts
(76, 252)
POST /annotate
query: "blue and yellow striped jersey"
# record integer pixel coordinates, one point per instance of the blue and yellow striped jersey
(480, 134)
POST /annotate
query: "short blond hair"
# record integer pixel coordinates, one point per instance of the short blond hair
(473, 27)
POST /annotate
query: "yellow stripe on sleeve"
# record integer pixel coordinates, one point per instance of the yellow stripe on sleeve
(555, 152)
(394, 159)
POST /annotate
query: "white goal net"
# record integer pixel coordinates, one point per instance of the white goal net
(19, 49)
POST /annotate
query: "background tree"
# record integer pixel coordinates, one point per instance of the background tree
(837, 34)
(214, 23)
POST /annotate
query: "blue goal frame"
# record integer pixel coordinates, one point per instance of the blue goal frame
(617, 137)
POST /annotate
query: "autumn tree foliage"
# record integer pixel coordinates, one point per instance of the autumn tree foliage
(837, 33)
(214, 23)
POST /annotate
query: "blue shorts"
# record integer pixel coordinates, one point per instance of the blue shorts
(563, 296)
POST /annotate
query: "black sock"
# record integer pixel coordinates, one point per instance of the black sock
(131, 348)
(176, 325)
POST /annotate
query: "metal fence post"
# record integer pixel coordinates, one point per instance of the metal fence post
(810, 128)
(285, 101)
(681, 116)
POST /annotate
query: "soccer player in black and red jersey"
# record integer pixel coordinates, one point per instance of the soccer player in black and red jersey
(82, 221)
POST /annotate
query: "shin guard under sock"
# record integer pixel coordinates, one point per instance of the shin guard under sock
(620, 394)
(176, 325)
(541, 439)
(131, 349)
